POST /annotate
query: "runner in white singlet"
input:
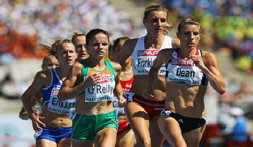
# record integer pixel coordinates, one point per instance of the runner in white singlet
(142, 110)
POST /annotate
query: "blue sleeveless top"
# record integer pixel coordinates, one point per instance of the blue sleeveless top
(50, 98)
(53, 88)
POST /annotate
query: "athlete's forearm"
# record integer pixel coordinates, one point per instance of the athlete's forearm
(152, 75)
(27, 104)
(216, 82)
(118, 88)
(71, 92)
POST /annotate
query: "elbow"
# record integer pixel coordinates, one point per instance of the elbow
(23, 117)
(222, 91)
(23, 114)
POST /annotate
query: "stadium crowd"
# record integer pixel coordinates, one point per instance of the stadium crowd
(227, 24)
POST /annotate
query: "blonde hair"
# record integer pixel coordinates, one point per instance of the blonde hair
(62, 41)
(188, 21)
(76, 34)
(158, 8)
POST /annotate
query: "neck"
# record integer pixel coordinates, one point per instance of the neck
(186, 54)
(96, 63)
(153, 42)
(62, 71)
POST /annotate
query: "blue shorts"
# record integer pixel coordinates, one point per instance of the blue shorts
(55, 134)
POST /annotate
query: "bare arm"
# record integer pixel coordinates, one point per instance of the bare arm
(67, 90)
(175, 43)
(37, 84)
(23, 114)
(163, 57)
(211, 68)
(118, 88)
(126, 51)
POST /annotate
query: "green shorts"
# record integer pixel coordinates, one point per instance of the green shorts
(85, 127)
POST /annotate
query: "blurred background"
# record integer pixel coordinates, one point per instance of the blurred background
(227, 32)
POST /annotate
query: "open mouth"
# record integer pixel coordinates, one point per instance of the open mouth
(100, 52)
(190, 44)
(69, 61)
(158, 30)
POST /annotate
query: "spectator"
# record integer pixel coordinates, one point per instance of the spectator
(239, 132)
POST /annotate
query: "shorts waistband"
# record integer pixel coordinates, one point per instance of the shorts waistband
(150, 102)
(92, 115)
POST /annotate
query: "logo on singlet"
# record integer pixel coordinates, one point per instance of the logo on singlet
(181, 62)
(148, 52)
(55, 92)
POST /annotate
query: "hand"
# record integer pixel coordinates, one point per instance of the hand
(121, 101)
(36, 111)
(148, 93)
(93, 79)
(36, 122)
(198, 61)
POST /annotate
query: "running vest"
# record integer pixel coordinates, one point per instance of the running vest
(50, 94)
(143, 58)
(182, 71)
(102, 91)
(126, 85)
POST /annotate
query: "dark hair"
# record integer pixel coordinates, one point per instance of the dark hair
(50, 50)
(157, 8)
(76, 34)
(116, 42)
(94, 32)
(188, 21)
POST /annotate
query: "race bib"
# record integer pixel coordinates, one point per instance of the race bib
(61, 107)
(102, 91)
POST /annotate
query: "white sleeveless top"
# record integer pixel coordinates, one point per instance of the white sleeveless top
(143, 58)
(182, 71)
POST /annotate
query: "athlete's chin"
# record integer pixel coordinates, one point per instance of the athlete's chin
(70, 62)
(190, 48)
(82, 58)
(100, 54)
(158, 33)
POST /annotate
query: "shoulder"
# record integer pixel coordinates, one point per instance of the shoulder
(43, 76)
(116, 66)
(77, 64)
(164, 54)
(130, 44)
(76, 68)
(209, 57)
(175, 42)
